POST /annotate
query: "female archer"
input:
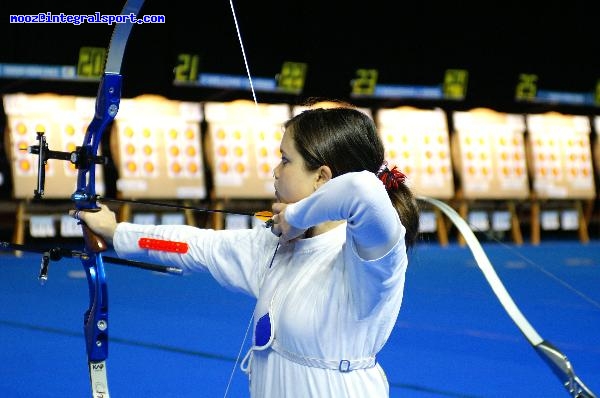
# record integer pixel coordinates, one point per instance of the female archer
(328, 276)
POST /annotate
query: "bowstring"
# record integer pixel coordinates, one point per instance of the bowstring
(239, 354)
(246, 65)
(237, 359)
(551, 275)
(541, 269)
(239, 35)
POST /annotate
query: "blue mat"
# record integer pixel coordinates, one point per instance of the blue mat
(179, 337)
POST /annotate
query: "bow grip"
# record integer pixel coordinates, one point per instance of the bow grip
(94, 242)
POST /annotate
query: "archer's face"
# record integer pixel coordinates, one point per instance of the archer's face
(292, 180)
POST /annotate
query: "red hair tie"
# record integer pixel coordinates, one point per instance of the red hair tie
(391, 178)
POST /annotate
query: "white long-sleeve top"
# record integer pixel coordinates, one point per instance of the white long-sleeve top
(329, 308)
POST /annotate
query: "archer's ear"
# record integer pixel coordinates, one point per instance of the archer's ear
(323, 175)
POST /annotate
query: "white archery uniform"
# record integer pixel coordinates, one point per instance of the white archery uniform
(331, 311)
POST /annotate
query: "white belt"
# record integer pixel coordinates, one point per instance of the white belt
(343, 365)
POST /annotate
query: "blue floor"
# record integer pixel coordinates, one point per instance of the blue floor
(174, 336)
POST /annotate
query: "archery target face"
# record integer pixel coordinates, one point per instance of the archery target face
(268, 154)
(183, 151)
(159, 148)
(139, 151)
(244, 140)
(64, 120)
(232, 158)
(416, 141)
(23, 135)
(490, 154)
(561, 157)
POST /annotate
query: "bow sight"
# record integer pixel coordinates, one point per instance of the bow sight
(82, 157)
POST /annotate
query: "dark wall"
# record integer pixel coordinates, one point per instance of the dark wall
(407, 42)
